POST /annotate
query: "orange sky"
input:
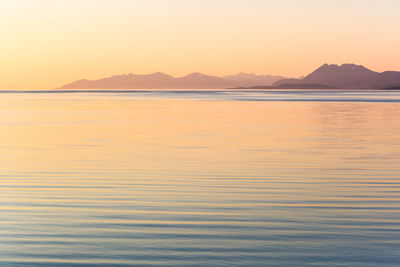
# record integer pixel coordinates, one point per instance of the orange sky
(46, 43)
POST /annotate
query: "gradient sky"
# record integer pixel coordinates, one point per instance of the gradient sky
(47, 43)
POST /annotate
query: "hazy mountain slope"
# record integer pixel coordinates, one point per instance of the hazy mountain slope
(202, 81)
(128, 81)
(251, 79)
(287, 81)
(347, 76)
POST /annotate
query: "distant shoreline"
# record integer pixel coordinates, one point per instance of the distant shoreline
(60, 91)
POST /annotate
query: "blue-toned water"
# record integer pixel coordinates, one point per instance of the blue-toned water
(200, 178)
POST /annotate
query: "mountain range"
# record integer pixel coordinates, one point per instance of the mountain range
(346, 76)
(160, 80)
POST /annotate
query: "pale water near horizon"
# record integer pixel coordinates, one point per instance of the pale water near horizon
(200, 178)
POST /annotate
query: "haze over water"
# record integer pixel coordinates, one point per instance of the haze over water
(200, 178)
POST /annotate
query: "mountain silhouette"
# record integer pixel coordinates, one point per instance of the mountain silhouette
(252, 79)
(347, 76)
(124, 82)
(199, 80)
(160, 80)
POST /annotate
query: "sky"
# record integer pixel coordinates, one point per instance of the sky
(47, 43)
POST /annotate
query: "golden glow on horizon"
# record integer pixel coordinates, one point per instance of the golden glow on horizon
(46, 44)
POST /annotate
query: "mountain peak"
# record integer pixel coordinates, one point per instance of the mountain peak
(196, 74)
(327, 66)
(343, 67)
(354, 67)
(160, 75)
(344, 76)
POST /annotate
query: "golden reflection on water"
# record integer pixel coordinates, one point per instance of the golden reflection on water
(111, 175)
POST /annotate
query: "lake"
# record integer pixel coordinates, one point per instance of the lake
(200, 178)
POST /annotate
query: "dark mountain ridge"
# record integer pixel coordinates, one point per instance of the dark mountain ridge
(347, 76)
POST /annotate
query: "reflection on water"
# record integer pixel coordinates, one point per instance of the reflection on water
(200, 178)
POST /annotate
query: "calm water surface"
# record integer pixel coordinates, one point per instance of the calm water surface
(200, 178)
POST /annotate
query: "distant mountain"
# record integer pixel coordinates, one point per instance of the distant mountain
(347, 76)
(388, 79)
(126, 81)
(201, 81)
(251, 79)
(287, 81)
(160, 80)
